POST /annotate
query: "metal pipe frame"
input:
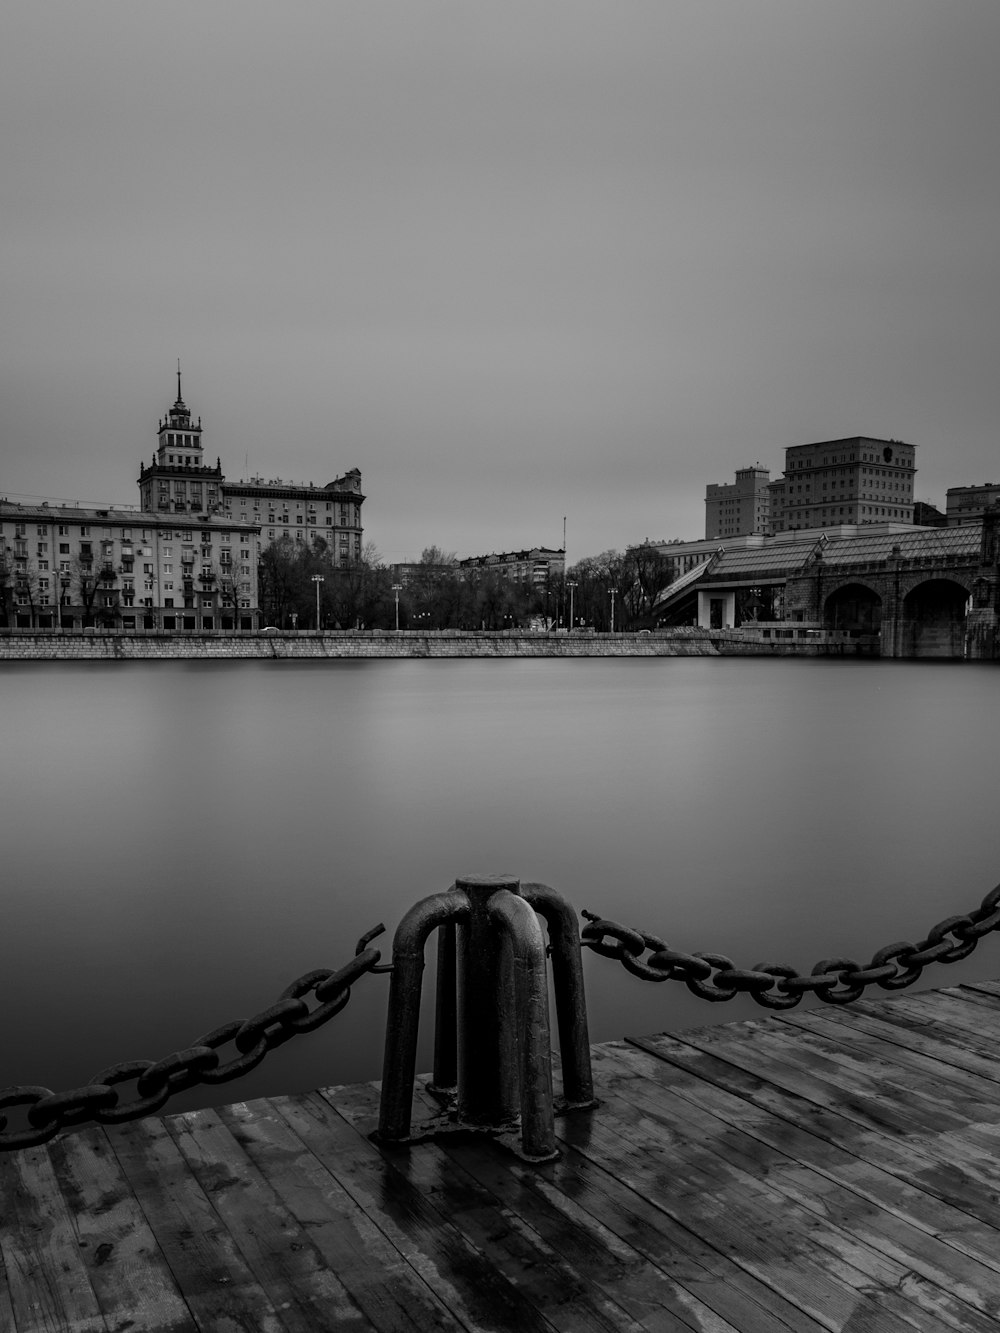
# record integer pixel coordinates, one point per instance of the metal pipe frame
(492, 1057)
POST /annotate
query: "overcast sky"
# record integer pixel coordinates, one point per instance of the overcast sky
(514, 261)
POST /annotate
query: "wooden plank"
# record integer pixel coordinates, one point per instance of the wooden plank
(465, 1281)
(913, 1243)
(707, 1197)
(978, 993)
(962, 1011)
(127, 1271)
(967, 1086)
(277, 1249)
(828, 1159)
(48, 1284)
(938, 1041)
(829, 1078)
(555, 1266)
(718, 1171)
(646, 1256)
(390, 1295)
(6, 1308)
(982, 987)
(211, 1274)
(890, 1072)
(779, 1089)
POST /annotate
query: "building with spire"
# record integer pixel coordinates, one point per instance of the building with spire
(179, 481)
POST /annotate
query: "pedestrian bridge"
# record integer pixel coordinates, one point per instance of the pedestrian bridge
(913, 592)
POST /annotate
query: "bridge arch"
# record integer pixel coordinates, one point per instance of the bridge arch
(853, 606)
(933, 615)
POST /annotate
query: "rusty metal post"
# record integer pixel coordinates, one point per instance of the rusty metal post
(570, 997)
(492, 1057)
(524, 956)
(400, 1064)
(445, 1078)
(487, 1041)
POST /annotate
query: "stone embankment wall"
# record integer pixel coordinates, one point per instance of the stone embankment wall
(111, 646)
(43, 645)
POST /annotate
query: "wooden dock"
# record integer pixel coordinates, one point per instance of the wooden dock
(835, 1169)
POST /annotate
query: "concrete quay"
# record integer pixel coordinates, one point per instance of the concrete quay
(110, 645)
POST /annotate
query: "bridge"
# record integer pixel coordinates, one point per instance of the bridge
(918, 592)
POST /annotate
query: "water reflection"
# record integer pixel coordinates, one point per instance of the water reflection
(181, 840)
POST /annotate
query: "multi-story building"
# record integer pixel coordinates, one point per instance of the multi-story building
(179, 481)
(967, 504)
(855, 480)
(66, 567)
(537, 566)
(303, 512)
(740, 507)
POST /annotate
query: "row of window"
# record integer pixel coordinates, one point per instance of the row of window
(845, 458)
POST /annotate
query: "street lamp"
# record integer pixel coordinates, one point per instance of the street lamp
(612, 610)
(572, 586)
(397, 589)
(317, 579)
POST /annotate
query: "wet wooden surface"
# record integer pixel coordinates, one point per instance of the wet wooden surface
(835, 1169)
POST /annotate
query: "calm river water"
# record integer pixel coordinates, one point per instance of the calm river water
(181, 840)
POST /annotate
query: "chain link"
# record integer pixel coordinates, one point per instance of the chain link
(47, 1113)
(716, 978)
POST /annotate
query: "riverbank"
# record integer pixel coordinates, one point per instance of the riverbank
(113, 645)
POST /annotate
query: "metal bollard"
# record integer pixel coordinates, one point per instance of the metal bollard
(492, 1059)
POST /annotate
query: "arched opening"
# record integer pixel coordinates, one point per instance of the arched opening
(855, 608)
(933, 615)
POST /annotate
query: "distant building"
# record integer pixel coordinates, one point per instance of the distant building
(66, 567)
(179, 481)
(741, 507)
(537, 566)
(282, 508)
(927, 515)
(855, 480)
(416, 571)
(967, 504)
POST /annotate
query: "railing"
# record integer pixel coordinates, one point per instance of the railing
(492, 1062)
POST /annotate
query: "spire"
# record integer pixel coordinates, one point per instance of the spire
(179, 398)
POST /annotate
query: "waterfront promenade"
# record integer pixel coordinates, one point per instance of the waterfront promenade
(834, 1170)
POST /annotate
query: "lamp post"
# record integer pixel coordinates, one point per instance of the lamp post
(317, 579)
(612, 610)
(397, 589)
(572, 587)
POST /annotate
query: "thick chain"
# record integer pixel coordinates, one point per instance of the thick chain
(47, 1113)
(715, 977)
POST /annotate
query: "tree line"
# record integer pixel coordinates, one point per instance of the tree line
(436, 594)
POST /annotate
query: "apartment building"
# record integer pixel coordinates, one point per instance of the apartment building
(70, 568)
(740, 507)
(536, 566)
